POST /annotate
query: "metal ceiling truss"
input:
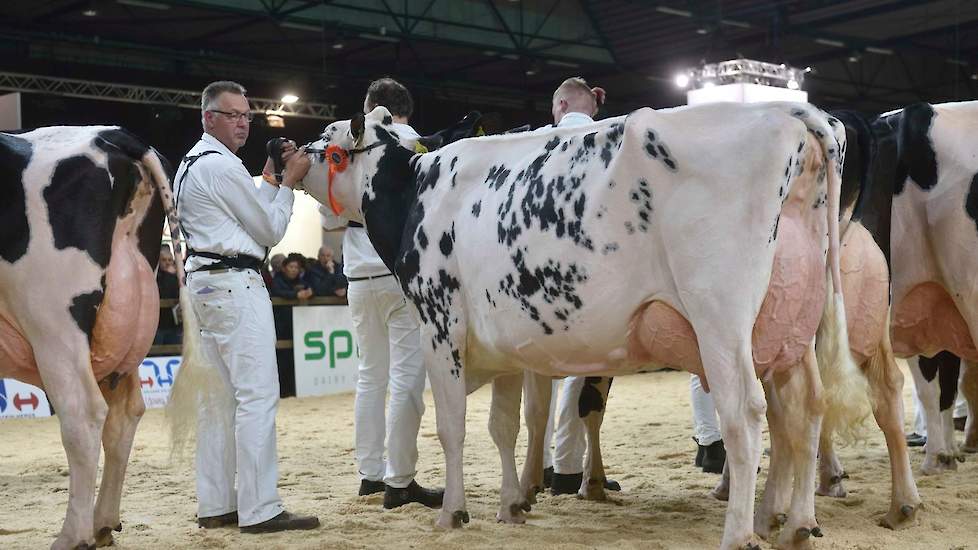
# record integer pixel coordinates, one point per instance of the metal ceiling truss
(146, 95)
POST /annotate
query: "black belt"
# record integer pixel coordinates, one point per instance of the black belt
(354, 279)
(352, 223)
(240, 261)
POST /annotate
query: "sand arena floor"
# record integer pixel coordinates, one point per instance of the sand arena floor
(664, 504)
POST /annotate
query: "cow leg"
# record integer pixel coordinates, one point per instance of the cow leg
(886, 382)
(740, 404)
(444, 360)
(773, 511)
(126, 407)
(925, 373)
(537, 390)
(801, 387)
(947, 380)
(969, 386)
(595, 394)
(504, 426)
(67, 375)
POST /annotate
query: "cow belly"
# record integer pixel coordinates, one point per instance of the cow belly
(16, 354)
(792, 307)
(865, 289)
(129, 314)
(926, 321)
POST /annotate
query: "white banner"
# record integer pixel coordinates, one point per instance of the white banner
(325, 350)
(156, 376)
(20, 400)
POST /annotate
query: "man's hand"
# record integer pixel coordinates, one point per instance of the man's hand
(268, 172)
(304, 294)
(296, 168)
(341, 292)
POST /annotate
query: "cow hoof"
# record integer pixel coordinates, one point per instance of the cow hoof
(513, 514)
(84, 546)
(595, 493)
(959, 457)
(458, 518)
(752, 546)
(900, 519)
(817, 532)
(802, 534)
(525, 506)
(103, 537)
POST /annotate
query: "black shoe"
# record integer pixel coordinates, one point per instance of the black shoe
(566, 484)
(397, 496)
(548, 477)
(960, 422)
(224, 520)
(700, 449)
(370, 487)
(714, 455)
(286, 521)
(916, 440)
(611, 485)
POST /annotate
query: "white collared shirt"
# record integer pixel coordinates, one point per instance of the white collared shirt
(220, 209)
(360, 258)
(574, 119)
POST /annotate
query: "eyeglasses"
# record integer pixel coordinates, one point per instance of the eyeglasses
(235, 117)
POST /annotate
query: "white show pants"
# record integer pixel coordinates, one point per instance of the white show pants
(238, 340)
(568, 454)
(706, 425)
(390, 355)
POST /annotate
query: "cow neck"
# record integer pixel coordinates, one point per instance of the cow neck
(394, 194)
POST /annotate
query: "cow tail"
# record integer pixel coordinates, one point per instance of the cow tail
(845, 389)
(196, 387)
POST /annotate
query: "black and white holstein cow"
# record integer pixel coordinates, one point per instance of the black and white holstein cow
(928, 211)
(704, 238)
(80, 228)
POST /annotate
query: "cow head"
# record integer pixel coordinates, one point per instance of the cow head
(356, 160)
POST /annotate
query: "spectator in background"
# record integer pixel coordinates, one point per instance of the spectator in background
(325, 277)
(168, 331)
(288, 283)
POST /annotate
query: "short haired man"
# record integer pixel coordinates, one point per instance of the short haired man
(325, 277)
(390, 345)
(229, 225)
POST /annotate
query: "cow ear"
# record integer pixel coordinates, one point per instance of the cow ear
(356, 128)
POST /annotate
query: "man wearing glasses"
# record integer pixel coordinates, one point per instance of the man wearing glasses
(229, 224)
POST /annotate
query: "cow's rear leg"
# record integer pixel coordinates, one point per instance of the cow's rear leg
(740, 404)
(537, 391)
(126, 407)
(773, 510)
(927, 373)
(969, 387)
(830, 472)
(886, 383)
(595, 393)
(504, 425)
(67, 375)
(799, 390)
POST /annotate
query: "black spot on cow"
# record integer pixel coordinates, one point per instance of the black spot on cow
(658, 150)
(497, 176)
(388, 213)
(476, 209)
(452, 165)
(971, 202)
(119, 141)
(774, 232)
(592, 398)
(553, 282)
(446, 243)
(946, 367)
(15, 155)
(915, 149)
(81, 208)
(83, 310)
(387, 120)
(588, 141)
(609, 248)
(422, 238)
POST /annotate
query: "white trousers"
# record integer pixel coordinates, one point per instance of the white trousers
(568, 454)
(238, 340)
(390, 357)
(706, 425)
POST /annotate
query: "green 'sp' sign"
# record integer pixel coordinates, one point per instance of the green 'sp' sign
(339, 345)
